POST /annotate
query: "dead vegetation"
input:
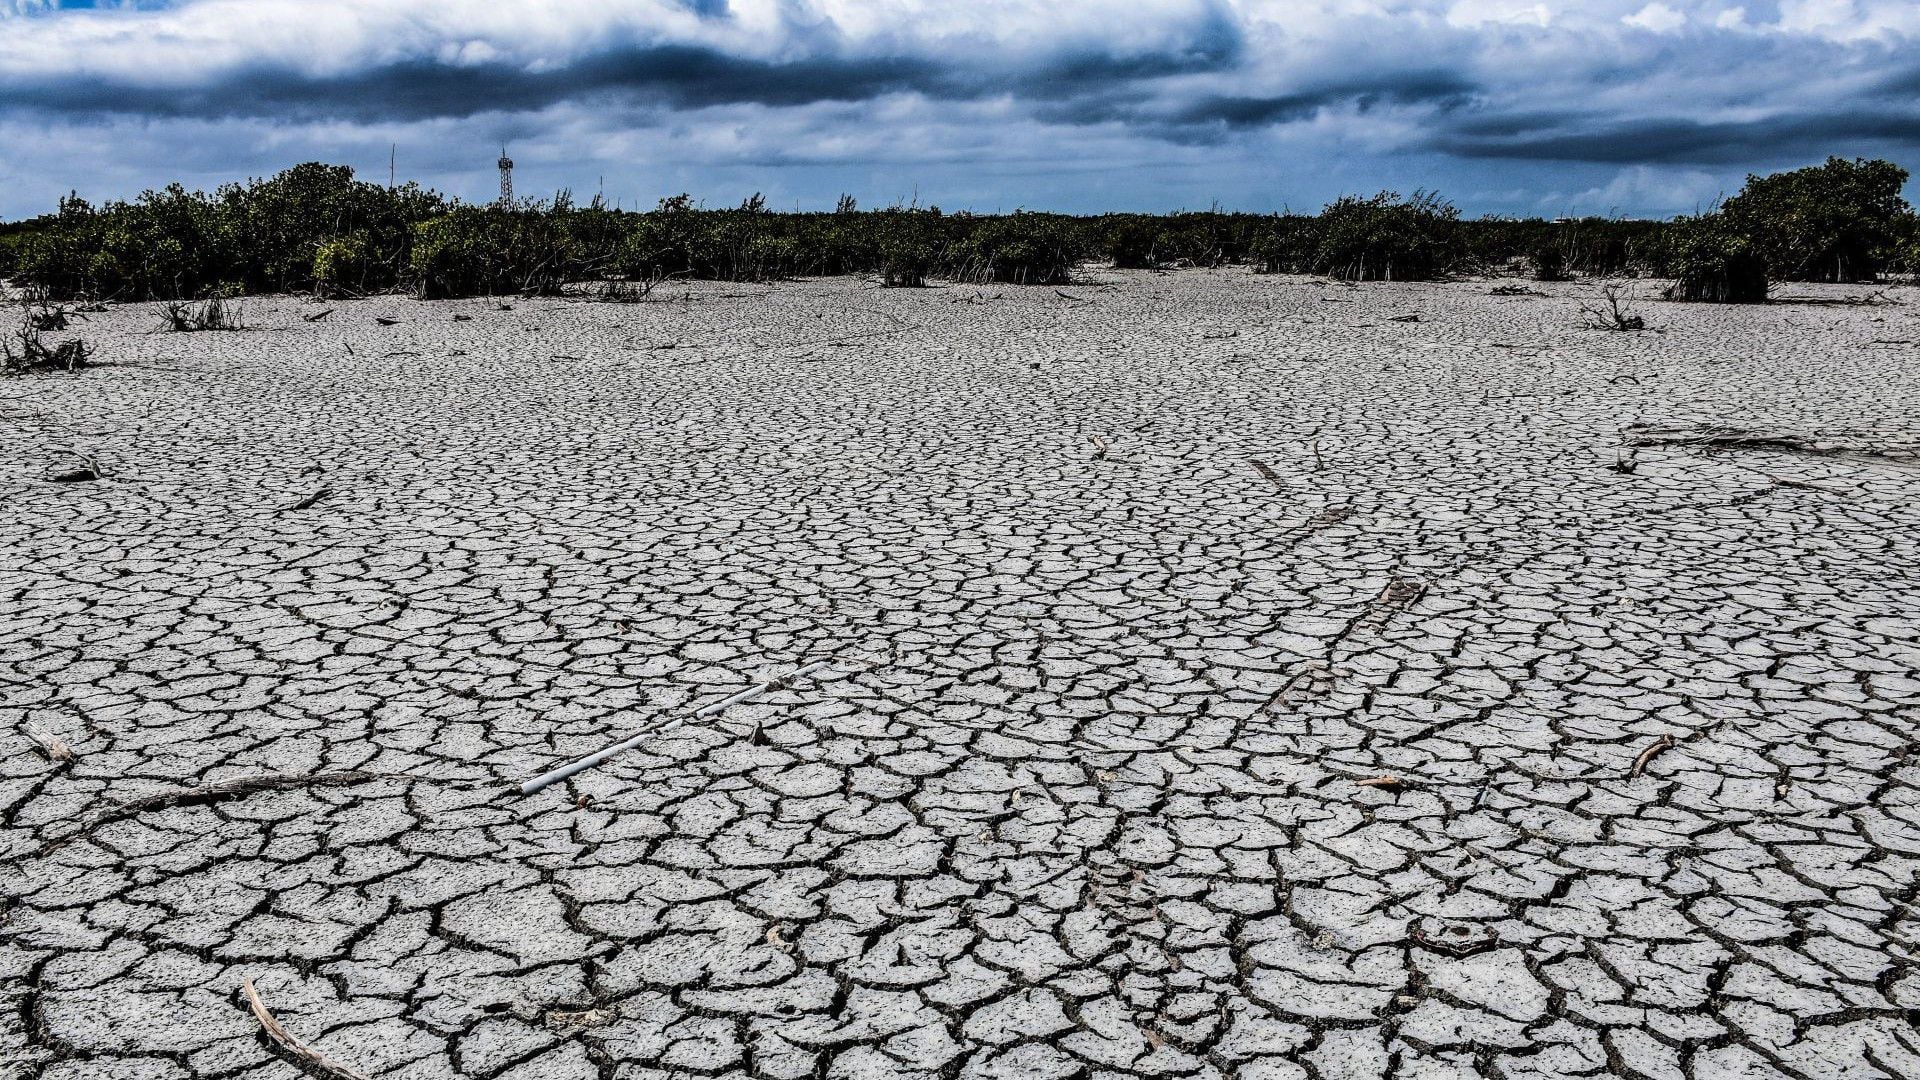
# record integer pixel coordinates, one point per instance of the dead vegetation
(627, 290)
(52, 747)
(1877, 298)
(310, 1059)
(309, 501)
(195, 316)
(1612, 309)
(1659, 746)
(25, 349)
(1724, 437)
(87, 469)
(1458, 941)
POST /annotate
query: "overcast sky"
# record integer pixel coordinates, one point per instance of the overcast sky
(1505, 106)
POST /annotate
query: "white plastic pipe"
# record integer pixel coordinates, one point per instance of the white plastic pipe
(585, 763)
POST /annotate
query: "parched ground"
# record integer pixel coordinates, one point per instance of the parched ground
(1136, 596)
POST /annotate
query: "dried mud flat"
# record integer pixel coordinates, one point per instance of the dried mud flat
(1141, 593)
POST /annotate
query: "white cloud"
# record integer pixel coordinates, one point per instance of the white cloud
(1644, 189)
(1656, 17)
(1471, 13)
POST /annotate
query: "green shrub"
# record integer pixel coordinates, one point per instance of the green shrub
(1019, 249)
(1130, 241)
(1388, 238)
(340, 265)
(1712, 261)
(1204, 238)
(1838, 222)
(1549, 261)
(486, 251)
(908, 246)
(1287, 245)
(262, 236)
(1906, 249)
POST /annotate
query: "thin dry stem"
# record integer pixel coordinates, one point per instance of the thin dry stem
(285, 1040)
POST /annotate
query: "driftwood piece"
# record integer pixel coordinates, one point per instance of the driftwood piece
(1717, 436)
(310, 500)
(51, 746)
(284, 1039)
(1660, 746)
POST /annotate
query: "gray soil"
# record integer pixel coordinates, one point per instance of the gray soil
(1131, 594)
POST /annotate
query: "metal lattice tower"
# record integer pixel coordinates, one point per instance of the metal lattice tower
(506, 178)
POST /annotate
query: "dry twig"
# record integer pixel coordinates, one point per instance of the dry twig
(1615, 315)
(1664, 744)
(55, 748)
(1723, 437)
(310, 500)
(284, 1039)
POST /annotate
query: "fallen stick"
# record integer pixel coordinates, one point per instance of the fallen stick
(285, 1040)
(1640, 763)
(563, 772)
(318, 316)
(310, 500)
(55, 748)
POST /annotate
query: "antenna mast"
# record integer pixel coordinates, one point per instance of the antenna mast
(506, 180)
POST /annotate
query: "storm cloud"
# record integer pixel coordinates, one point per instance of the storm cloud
(1513, 105)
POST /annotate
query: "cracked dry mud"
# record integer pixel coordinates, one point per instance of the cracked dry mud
(1085, 796)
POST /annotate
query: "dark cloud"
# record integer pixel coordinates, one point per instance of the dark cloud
(1441, 88)
(666, 75)
(1682, 142)
(681, 76)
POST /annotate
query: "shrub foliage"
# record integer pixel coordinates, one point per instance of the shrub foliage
(1840, 222)
(315, 228)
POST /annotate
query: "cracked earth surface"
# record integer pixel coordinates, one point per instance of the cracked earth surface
(1131, 594)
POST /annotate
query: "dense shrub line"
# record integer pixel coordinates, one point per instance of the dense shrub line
(314, 228)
